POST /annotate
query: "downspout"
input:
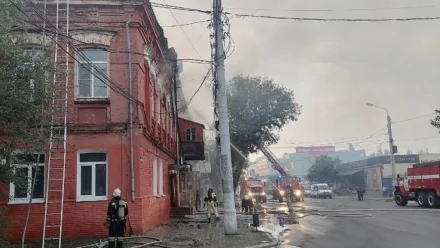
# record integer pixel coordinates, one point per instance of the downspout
(130, 111)
(177, 133)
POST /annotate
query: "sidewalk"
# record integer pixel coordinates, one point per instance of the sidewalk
(194, 231)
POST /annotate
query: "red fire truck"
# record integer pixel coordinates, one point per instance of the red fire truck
(283, 180)
(255, 189)
(421, 183)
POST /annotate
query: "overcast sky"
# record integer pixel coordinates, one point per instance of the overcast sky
(335, 68)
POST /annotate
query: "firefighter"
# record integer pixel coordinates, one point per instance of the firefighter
(289, 196)
(246, 204)
(117, 213)
(211, 204)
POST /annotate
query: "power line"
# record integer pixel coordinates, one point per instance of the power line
(174, 7)
(186, 24)
(337, 19)
(183, 31)
(334, 10)
(414, 118)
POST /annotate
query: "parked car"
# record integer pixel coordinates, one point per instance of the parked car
(321, 190)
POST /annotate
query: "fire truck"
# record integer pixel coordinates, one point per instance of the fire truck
(254, 188)
(284, 179)
(421, 183)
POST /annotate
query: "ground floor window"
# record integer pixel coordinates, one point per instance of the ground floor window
(92, 176)
(25, 169)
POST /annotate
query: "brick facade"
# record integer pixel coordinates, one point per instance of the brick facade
(101, 124)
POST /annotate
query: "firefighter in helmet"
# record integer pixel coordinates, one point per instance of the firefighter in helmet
(289, 197)
(211, 204)
(117, 213)
(247, 204)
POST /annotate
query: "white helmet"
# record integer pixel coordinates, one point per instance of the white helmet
(117, 192)
(246, 197)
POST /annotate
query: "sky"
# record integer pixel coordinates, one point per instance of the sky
(334, 68)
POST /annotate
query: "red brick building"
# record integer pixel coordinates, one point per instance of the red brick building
(98, 152)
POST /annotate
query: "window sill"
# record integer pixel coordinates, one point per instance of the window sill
(24, 201)
(157, 196)
(91, 198)
(162, 195)
(92, 100)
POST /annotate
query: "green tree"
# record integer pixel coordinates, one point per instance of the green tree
(258, 110)
(323, 170)
(25, 94)
(436, 121)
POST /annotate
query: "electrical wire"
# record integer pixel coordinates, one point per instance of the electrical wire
(181, 28)
(185, 24)
(336, 10)
(414, 118)
(337, 19)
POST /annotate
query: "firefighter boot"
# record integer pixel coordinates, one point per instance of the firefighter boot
(119, 244)
(112, 244)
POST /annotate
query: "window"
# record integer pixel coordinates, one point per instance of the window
(92, 70)
(92, 176)
(161, 178)
(20, 192)
(151, 96)
(33, 55)
(191, 134)
(155, 177)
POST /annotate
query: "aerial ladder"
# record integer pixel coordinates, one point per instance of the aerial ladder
(285, 176)
(57, 155)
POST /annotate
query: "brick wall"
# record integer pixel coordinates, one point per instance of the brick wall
(85, 219)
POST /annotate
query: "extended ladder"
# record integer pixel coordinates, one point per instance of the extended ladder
(56, 171)
(272, 159)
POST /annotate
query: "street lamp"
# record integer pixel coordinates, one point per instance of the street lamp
(390, 136)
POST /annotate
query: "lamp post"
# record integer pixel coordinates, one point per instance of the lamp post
(391, 141)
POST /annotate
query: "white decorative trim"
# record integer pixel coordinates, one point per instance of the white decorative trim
(36, 39)
(92, 37)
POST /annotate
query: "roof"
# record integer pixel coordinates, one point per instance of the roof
(200, 124)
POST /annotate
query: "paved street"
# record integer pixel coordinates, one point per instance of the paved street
(395, 228)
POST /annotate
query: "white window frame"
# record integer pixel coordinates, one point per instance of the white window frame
(77, 65)
(161, 188)
(191, 134)
(84, 198)
(13, 200)
(155, 177)
(158, 105)
(152, 97)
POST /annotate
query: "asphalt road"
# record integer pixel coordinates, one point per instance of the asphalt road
(398, 227)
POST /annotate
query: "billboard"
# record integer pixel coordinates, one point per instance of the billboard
(263, 167)
(315, 149)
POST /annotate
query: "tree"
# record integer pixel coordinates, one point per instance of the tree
(258, 109)
(436, 121)
(25, 94)
(323, 170)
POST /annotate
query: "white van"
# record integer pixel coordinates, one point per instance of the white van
(321, 190)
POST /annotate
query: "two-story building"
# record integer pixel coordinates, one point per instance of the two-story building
(104, 34)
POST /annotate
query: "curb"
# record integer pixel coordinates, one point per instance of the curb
(274, 242)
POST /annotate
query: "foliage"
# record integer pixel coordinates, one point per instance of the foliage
(323, 170)
(436, 121)
(24, 90)
(258, 108)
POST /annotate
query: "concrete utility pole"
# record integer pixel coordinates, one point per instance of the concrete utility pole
(230, 214)
(391, 141)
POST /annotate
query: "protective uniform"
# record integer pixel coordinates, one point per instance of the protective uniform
(289, 196)
(211, 204)
(117, 213)
(246, 204)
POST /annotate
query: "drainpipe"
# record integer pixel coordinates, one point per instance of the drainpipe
(177, 133)
(130, 111)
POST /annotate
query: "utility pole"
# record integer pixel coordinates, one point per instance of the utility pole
(230, 214)
(390, 136)
(393, 162)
